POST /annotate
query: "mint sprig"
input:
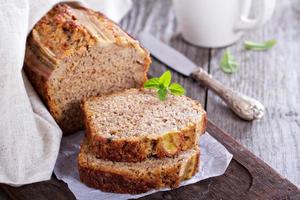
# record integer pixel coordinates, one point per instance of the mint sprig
(228, 63)
(259, 46)
(163, 86)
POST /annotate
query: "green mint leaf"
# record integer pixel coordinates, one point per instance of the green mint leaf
(176, 89)
(262, 46)
(162, 93)
(152, 83)
(163, 87)
(228, 64)
(165, 79)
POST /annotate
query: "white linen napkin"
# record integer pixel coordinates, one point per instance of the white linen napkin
(29, 136)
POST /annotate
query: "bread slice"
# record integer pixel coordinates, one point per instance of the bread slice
(128, 177)
(73, 53)
(133, 125)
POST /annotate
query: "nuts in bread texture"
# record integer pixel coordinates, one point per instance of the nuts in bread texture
(134, 125)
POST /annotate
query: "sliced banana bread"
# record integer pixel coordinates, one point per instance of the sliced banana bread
(73, 53)
(128, 177)
(133, 125)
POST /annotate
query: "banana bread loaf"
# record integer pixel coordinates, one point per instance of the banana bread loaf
(73, 53)
(128, 177)
(133, 125)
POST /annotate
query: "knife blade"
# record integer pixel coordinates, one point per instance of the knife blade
(245, 107)
(166, 54)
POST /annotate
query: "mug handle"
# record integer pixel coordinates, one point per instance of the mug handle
(265, 14)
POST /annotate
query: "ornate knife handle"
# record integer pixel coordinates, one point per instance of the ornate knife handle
(245, 107)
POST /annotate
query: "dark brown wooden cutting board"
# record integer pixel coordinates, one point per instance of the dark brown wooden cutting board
(247, 177)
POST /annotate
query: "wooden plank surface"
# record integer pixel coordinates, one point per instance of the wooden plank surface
(157, 18)
(247, 178)
(273, 78)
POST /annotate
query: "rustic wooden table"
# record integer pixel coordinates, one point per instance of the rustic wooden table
(272, 77)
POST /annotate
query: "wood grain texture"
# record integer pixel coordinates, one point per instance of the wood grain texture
(157, 17)
(52, 189)
(247, 178)
(272, 77)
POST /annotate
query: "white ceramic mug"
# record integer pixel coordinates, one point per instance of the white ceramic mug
(218, 23)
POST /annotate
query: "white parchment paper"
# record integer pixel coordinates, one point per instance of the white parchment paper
(214, 160)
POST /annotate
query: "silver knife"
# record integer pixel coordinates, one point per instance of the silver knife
(245, 107)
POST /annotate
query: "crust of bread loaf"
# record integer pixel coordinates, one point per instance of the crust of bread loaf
(39, 72)
(112, 180)
(137, 149)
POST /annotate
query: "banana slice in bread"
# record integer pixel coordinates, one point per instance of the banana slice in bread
(134, 125)
(134, 178)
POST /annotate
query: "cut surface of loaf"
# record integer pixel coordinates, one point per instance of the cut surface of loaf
(128, 177)
(73, 53)
(134, 125)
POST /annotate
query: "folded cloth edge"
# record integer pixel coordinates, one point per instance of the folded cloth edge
(17, 172)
